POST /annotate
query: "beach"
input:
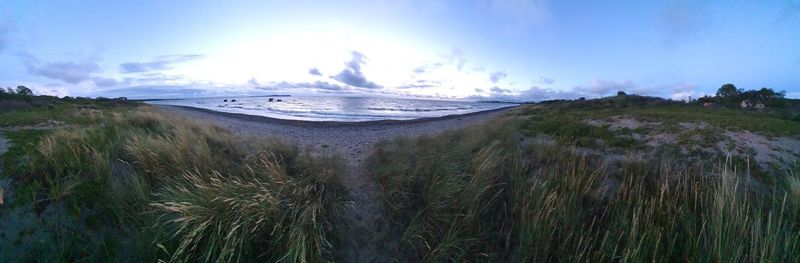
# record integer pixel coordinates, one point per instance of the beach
(353, 142)
(350, 140)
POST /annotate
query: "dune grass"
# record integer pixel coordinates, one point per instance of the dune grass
(483, 194)
(136, 185)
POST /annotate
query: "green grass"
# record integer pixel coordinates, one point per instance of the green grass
(143, 186)
(67, 112)
(670, 114)
(480, 195)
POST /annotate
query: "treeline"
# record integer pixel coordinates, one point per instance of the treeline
(23, 98)
(730, 96)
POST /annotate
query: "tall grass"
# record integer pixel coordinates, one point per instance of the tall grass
(146, 186)
(482, 195)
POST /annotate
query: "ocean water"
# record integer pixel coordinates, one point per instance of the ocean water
(352, 109)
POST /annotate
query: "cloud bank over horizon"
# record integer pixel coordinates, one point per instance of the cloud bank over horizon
(517, 50)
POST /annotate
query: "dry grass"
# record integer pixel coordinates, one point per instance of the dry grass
(481, 195)
(170, 188)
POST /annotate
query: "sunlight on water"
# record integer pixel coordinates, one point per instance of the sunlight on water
(337, 108)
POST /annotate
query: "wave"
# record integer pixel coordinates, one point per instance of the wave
(421, 109)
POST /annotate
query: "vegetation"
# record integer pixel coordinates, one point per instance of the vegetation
(489, 193)
(132, 184)
(585, 180)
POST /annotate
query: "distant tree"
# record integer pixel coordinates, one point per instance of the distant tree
(25, 91)
(621, 93)
(10, 91)
(728, 90)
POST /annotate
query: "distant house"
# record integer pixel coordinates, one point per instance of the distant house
(709, 105)
(752, 104)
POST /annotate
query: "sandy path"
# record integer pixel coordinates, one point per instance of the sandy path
(354, 143)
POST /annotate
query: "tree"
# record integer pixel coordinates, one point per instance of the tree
(728, 90)
(25, 91)
(621, 93)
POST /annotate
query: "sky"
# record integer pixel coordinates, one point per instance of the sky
(471, 49)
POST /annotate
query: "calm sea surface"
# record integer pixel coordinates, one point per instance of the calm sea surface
(336, 108)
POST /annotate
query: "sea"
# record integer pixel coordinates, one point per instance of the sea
(348, 109)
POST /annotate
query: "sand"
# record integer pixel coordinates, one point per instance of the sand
(354, 142)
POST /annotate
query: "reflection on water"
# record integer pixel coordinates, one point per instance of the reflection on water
(337, 108)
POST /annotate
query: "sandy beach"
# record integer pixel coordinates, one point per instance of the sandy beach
(353, 141)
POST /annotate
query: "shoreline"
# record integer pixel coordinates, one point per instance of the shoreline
(332, 124)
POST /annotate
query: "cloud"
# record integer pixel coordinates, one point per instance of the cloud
(499, 90)
(104, 82)
(67, 71)
(160, 63)
(154, 79)
(683, 20)
(546, 81)
(314, 71)
(683, 91)
(352, 74)
(497, 76)
(538, 94)
(421, 84)
(253, 82)
(317, 85)
(479, 90)
(456, 57)
(602, 87)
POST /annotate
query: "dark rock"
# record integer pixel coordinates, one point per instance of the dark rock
(225, 100)
(270, 99)
(233, 100)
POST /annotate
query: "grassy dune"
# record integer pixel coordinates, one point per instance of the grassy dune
(491, 193)
(133, 184)
(564, 181)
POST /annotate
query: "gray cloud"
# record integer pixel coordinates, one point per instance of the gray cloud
(67, 71)
(421, 84)
(499, 90)
(601, 87)
(152, 79)
(104, 82)
(314, 71)
(352, 74)
(538, 94)
(497, 76)
(317, 85)
(160, 63)
(546, 81)
(478, 90)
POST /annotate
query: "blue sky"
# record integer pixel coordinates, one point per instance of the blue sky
(481, 49)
